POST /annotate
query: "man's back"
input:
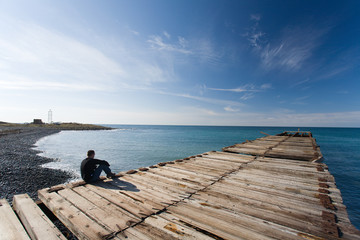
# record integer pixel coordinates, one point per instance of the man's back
(91, 168)
(88, 166)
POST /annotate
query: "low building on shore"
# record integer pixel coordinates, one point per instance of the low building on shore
(37, 121)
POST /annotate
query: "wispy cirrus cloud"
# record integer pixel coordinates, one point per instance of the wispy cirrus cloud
(288, 52)
(292, 50)
(201, 98)
(231, 109)
(245, 88)
(255, 36)
(255, 17)
(266, 86)
(201, 49)
(157, 42)
(167, 35)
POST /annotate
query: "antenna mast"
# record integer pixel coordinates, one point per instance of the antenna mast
(50, 116)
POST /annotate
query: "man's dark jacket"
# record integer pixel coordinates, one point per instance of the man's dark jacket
(88, 167)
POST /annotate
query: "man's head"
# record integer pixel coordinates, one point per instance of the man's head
(91, 154)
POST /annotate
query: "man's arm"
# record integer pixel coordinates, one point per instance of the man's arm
(97, 161)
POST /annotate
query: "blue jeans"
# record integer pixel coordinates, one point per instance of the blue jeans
(98, 170)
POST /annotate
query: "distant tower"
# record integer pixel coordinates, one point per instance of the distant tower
(50, 116)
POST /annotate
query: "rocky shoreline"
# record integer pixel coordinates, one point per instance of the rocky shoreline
(21, 170)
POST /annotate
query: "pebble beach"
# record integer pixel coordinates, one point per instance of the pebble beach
(21, 170)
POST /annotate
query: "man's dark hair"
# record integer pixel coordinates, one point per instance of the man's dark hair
(90, 152)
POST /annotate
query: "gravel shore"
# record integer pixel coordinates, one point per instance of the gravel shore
(21, 170)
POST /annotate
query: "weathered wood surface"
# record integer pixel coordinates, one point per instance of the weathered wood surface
(289, 147)
(36, 223)
(10, 226)
(216, 195)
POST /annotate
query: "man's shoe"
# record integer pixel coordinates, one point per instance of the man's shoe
(111, 175)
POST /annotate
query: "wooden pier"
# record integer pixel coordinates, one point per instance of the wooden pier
(269, 188)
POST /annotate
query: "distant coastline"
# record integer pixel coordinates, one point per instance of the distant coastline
(58, 126)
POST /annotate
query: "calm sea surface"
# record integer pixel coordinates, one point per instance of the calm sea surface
(133, 146)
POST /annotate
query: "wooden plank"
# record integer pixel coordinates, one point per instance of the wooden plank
(273, 191)
(135, 206)
(155, 197)
(287, 162)
(166, 229)
(106, 205)
(277, 199)
(202, 168)
(253, 203)
(223, 224)
(231, 157)
(190, 175)
(301, 179)
(10, 226)
(189, 231)
(147, 231)
(259, 209)
(268, 198)
(171, 192)
(78, 222)
(246, 150)
(288, 171)
(164, 191)
(180, 175)
(284, 185)
(216, 164)
(143, 196)
(36, 223)
(280, 228)
(289, 156)
(178, 186)
(222, 161)
(112, 220)
(293, 167)
(193, 168)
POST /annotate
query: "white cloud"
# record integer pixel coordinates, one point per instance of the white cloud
(250, 88)
(290, 51)
(167, 35)
(255, 17)
(290, 54)
(246, 88)
(333, 72)
(256, 39)
(247, 96)
(202, 50)
(202, 99)
(33, 57)
(266, 86)
(307, 80)
(132, 31)
(230, 109)
(157, 42)
(255, 36)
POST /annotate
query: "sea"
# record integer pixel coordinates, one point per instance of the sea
(133, 146)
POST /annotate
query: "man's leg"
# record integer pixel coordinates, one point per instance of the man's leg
(98, 170)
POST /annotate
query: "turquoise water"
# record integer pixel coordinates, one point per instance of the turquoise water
(132, 146)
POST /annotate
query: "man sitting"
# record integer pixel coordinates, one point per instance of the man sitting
(91, 168)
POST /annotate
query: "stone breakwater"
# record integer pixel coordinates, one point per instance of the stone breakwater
(20, 166)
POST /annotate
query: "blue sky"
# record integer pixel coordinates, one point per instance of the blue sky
(242, 63)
